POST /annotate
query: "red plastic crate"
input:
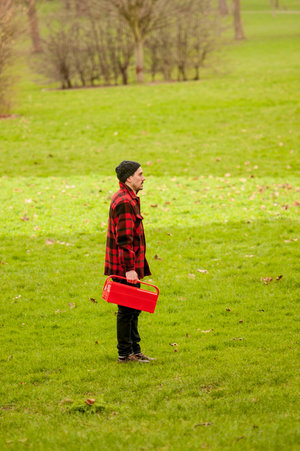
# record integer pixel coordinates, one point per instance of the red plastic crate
(129, 296)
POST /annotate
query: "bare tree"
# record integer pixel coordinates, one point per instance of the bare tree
(34, 26)
(205, 28)
(223, 8)
(56, 61)
(238, 26)
(9, 29)
(124, 49)
(142, 16)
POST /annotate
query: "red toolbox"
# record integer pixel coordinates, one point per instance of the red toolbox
(130, 296)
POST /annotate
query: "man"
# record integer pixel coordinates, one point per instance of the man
(125, 254)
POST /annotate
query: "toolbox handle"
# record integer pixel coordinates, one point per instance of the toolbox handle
(139, 281)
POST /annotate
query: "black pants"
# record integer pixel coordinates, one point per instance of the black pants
(127, 328)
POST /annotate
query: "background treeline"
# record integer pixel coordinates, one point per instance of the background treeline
(92, 42)
(112, 41)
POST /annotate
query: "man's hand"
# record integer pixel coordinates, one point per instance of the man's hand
(132, 277)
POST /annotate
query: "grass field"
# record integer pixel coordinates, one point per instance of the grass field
(221, 159)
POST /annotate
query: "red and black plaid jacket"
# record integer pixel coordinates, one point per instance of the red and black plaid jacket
(125, 245)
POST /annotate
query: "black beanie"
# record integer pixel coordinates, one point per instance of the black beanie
(126, 169)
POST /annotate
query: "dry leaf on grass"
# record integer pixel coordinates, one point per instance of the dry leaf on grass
(72, 305)
(48, 241)
(191, 276)
(204, 271)
(206, 331)
(278, 278)
(93, 300)
(90, 401)
(266, 280)
(173, 344)
(156, 257)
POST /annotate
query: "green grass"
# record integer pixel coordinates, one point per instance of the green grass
(222, 191)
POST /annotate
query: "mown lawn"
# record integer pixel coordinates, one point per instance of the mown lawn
(222, 195)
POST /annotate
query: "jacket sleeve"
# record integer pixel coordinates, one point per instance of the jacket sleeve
(124, 235)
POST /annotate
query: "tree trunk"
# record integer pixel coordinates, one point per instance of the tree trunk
(34, 26)
(238, 26)
(124, 75)
(275, 3)
(223, 8)
(139, 60)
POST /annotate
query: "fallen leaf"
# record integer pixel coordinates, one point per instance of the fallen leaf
(266, 280)
(249, 256)
(206, 331)
(296, 203)
(48, 241)
(3, 263)
(93, 300)
(90, 401)
(241, 321)
(203, 271)
(175, 350)
(156, 257)
(173, 344)
(25, 218)
(72, 305)
(191, 276)
(154, 205)
(278, 278)
(228, 309)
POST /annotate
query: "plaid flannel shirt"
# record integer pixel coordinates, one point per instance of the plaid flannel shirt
(125, 244)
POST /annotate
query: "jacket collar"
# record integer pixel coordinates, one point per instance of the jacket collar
(128, 190)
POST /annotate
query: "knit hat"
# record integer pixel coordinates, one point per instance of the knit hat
(126, 169)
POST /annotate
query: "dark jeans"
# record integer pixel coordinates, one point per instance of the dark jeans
(127, 328)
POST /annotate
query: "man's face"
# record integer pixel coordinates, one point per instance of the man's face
(136, 180)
